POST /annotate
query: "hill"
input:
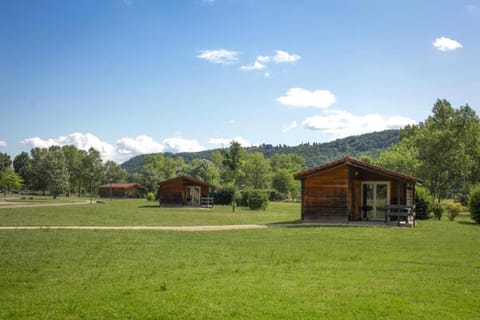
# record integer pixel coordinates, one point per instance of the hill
(371, 144)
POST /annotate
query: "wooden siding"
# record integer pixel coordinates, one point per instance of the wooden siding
(174, 191)
(326, 195)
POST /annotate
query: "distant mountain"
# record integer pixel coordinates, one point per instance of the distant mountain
(371, 144)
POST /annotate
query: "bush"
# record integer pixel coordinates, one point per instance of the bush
(150, 196)
(274, 195)
(453, 209)
(474, 203)
(258, 200)
(423, 202)
(226, 195)
(438, 210)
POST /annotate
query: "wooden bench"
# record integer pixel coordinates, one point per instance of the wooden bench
(401, 212)
(206, 202)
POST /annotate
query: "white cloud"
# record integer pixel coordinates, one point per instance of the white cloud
(291, 126)
(339, 123)
(446, 44)
(264, 59)
(266, 74)
(285, 57)
(3, 144)
(79, 140)
(124, 149)
(182, 145)
(302, 98)
(138, 145)
(255, 66)
(225, 142)
(219, 56)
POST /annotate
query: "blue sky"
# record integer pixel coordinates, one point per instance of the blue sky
(137, 76)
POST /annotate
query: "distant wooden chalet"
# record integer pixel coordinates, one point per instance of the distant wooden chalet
(122, 190)
(350, 190)
(185, 190)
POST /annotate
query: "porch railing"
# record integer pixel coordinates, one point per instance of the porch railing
(403, 213)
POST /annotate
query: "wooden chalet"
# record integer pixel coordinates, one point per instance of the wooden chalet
(122, 190)
(351, 190)
(185, 190)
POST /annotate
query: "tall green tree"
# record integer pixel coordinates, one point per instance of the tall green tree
(38, 177)
(444, 150)
(10, 180)
(233, 162)
(204, 170)
(57, 171)
(22, 164)
(73, 158)
(113, 172)
(257, 171)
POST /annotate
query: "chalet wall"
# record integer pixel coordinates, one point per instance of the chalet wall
(325, 195)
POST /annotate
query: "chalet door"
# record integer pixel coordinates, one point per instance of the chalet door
(193, 195)
(375, 197)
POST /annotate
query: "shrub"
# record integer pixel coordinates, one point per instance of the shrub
(226, 195)
(150, 196)
(438, 210)
(453, 209)
(474, 203)
(423, 202)
(274, 195)
(258, 200)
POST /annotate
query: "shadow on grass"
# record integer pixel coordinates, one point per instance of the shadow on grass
(469, 223)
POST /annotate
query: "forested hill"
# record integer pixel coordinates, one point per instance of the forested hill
(371, 144)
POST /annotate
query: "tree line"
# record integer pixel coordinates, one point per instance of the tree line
(58, 170)
(68, 170)
(443, 151)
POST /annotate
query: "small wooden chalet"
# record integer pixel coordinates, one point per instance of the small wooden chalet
(185, 190)
(122, 190)
(350, 190)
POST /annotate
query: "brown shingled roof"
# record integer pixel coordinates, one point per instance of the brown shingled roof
(357, 163)
(122, 185)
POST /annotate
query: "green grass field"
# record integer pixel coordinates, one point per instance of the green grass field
(428, 272)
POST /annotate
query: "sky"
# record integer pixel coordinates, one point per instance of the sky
(129, 77)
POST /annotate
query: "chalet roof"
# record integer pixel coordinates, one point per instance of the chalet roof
(356, 163)
(122, 185)
(187, 179)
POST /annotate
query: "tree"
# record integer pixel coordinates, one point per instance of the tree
(203, 170)
(10, 180)
(443, 151)
(57, 171)
(233, 162)
(38, 177)
(22, 164)
(92, 168)
(257, 171)
(73, 158)
(113, 172)
(283, 167)
(5, 162)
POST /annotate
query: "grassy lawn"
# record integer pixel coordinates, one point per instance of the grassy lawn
(144, 213)
(428, 272)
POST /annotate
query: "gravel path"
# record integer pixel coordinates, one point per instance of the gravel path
(8, 205)
(158, 228)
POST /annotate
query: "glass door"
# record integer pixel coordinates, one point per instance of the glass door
(375, 197)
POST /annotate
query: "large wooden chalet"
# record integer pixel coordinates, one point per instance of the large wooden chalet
(350, 190)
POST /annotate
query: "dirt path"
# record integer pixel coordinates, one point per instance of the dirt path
(8, 205)
(158, 228)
